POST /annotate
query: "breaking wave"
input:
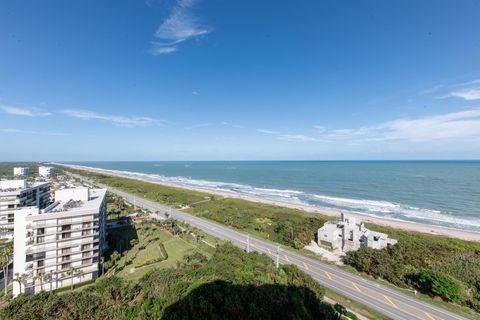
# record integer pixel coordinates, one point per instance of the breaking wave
(373, 208)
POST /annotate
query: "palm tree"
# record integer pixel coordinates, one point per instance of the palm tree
(19, 278)
(114, 257)
(80, 274)
(41, 277)
(36, 277)
(6, 254)
(4, 266)
(71, 272)
(49, 278)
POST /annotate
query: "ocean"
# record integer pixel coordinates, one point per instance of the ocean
(442, 193)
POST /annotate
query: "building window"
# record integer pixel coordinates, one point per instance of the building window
(86, 261)
(40, 231)
(65, 258)
(41, 239)
(86, 247)
(86, 225)
(66, 250)
(66, 235)
(40, 263)
(67, 227)
(11, 206)
(85, 232)
(65, 266)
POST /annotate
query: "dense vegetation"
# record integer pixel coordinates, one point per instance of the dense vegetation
(291, 227)
(231, 285)
(436, 265)
(439, 266)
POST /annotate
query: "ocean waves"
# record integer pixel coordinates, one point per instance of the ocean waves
(368, 207)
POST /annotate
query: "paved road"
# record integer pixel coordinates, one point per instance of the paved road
(387, 301)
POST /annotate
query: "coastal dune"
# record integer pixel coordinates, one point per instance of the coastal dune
(397, 224)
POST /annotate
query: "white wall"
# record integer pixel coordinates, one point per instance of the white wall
(20, 243)
(65, 195)
(14, 184)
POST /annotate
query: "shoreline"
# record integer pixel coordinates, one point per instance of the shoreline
(396, 224)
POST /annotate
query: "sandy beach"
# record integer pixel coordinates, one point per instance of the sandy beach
(404, 225)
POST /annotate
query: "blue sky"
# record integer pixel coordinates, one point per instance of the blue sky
(220, 80)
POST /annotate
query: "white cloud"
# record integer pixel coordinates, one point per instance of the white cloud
(200, 125)
(120, 121)
(268, 131)
(297, 138)
(290, 137)
(181, 25)
(432, 89)
(468, 91)
(467, 94)
(157, 49)
(455, 125)
(195, 93)
(28, 112)
(9, 130)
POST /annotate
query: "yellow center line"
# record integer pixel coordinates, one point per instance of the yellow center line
(344, 285)
(393, 304)
(429, 315)
(372, 297)
(356, 287)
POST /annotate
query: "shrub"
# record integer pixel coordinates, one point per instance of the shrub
(437, 284)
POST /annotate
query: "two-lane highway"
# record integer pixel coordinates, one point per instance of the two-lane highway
(387, 301)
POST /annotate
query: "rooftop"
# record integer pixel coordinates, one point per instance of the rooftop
(15, 185)
(94, 200)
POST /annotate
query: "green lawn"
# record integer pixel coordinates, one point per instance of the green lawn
(150, 237)
(456, 259)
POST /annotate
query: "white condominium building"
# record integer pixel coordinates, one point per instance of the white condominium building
(46, 172)
(21, 171)
(61, 244)
(15, 194)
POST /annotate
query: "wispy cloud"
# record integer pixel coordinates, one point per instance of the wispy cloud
(19, 131)
(433, 89)
(200, 125)
(455, 125)
(268, 131)
(468, 91)
(466, 94)
(120, 121)
(27, 112)
(195, 93)
(157, 49)
(225, 123)
(181, 25)
(290, 137)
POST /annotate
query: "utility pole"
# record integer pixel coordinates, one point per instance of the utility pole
(248, 243)
(278, 256)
